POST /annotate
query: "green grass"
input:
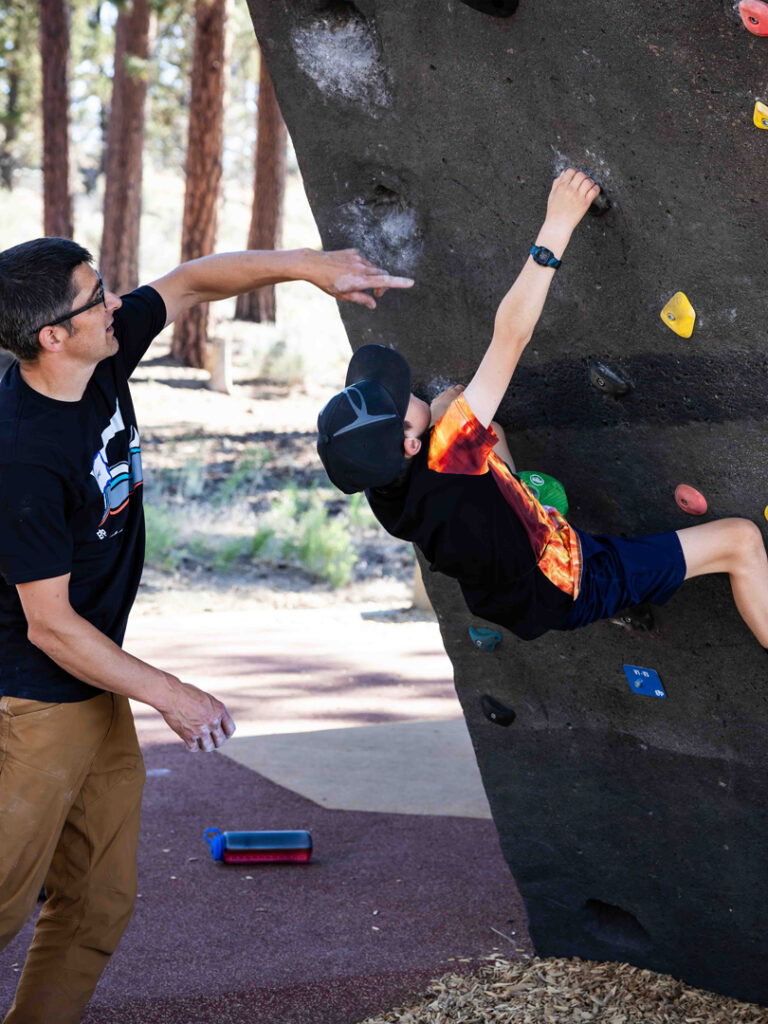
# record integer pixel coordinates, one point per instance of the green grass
(245, 473)
(302, 527)
(163, 549)
(318, 541)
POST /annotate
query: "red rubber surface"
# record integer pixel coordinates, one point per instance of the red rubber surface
(385, 904)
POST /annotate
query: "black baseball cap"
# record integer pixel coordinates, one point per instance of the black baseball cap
(360, 431)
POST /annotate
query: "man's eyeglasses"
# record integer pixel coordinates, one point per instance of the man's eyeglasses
(99, 297)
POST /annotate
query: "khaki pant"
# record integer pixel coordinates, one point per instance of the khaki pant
(71, 779)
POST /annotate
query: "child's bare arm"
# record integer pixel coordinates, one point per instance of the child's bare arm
(439, 405)
(502, 447)
(570, 198)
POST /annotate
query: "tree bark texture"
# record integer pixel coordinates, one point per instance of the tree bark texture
(268, 190)
(54, 50)
(203, 167)
(125, 144)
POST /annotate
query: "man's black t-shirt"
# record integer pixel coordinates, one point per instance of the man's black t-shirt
(71, 502)
(486, 531)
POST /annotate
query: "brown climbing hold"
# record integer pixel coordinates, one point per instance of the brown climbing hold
(690, 500)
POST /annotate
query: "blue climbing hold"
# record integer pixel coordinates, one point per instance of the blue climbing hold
(644, 680)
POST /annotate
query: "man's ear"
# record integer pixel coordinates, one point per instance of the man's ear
(51, 338)
(412, 445)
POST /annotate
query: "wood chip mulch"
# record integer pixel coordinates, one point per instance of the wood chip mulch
(560, 991)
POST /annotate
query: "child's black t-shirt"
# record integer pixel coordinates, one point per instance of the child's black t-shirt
(71, 502)
(518, 563)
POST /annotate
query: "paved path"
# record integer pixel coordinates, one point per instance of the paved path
(406, 881)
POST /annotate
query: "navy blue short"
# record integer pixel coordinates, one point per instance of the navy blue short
(620, 572)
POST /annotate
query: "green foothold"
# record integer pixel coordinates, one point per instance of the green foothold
(546, 490)
(485, 639)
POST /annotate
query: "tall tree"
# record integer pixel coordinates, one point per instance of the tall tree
(268, 191)
(93, 48)
(54, 50)
(125, 146)
(10, 120)
(20, 86)
(166, 132)
(203, 167)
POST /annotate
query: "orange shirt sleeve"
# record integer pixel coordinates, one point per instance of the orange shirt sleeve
(459, 442)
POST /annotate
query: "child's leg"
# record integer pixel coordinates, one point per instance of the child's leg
(501, 447)
(734, 546)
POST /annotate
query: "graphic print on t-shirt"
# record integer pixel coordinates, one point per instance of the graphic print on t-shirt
(460, 444)
(119, 481)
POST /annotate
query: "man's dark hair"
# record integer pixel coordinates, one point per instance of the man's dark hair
(36, 286)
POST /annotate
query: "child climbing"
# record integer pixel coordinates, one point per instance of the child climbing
(443, 478)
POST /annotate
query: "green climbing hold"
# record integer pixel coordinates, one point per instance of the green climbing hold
(546, 489)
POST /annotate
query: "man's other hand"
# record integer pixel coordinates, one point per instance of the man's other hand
(202, 721)
(573, 192)
(347, 276)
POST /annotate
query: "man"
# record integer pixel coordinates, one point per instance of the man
(71, 554)
(442, 478)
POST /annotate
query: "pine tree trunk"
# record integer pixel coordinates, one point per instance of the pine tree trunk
(203, 167)
(125, 144)
(54, 49)
(268, 190)
(11, 121)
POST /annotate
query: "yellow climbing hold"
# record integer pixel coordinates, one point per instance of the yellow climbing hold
(761, 115)
(679, 315)
(765, 511)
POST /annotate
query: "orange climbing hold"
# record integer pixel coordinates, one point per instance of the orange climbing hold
(754, 14)
(690, 500)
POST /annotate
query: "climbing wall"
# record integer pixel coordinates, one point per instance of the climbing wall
(633, 811)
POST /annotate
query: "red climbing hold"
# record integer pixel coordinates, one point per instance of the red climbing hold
(690, 500)
(754, 14)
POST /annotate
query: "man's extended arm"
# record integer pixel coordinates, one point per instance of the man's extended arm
(345, 275)
(86, 653)
(520, 309)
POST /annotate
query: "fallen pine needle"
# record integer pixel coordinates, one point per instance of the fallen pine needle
(568, 991)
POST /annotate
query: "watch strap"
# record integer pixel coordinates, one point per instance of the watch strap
(544, 257)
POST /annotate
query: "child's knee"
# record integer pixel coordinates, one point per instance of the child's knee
(747, 539)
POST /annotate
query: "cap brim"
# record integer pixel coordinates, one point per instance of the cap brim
(389, 368)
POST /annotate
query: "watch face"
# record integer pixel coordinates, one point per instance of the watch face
(543, 256)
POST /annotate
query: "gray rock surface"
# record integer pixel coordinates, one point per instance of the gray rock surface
(428, 133)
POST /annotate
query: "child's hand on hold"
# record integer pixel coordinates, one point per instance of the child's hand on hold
(573, 192)
(439, 405)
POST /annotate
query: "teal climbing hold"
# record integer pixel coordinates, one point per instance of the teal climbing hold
(485, 639)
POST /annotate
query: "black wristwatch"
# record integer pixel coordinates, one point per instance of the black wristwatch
(544, 257)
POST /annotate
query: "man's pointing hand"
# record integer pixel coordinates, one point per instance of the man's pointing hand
(348, 277)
